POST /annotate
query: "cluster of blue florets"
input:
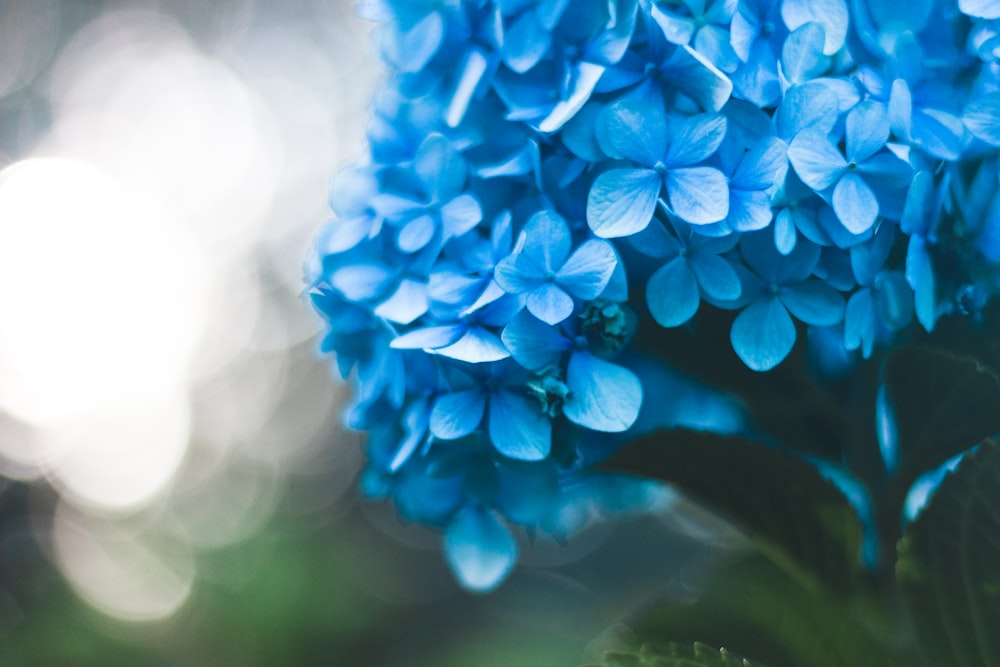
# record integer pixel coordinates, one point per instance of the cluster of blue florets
(547, 176)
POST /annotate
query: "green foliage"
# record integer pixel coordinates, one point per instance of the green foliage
(949, 566)
(797, 517)
(676, 655)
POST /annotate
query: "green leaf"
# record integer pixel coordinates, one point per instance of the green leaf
(676, 655)
(943, 404)
(798, 518)
(949, 565)
(753, 607)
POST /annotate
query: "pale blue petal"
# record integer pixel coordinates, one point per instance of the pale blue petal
(813, 302)
(525, 43)
(895, 299)
(634, 130)
(428, 337)
(695, 139)
(587, 271)
(474, 66)
(712, 42)
(698, 195)
(939, 134)
(672, 293)
(414, 48)
(460, 215)
(457, 414)
(762, 166)
(831, 14)
(809, 106)
(517, 276)
(548, 241)
(584, 77)
(416, 233)
(532, 343)
(518, 427)
(749, 210)
(982, 117)
(816, 160)
(920, 276)
(859, 322)
(477, 345)
(984, 9)
(549, 303)
(696, 77)
(677, 30)
(802, 56)
(900, 109)
(406, 304)
(784, 232)
(360, 282)
(603, 396)
(480, 549)
(716, 277)
(867, 130)
(440, 167)
(763, 334)
(621, 201)
(855, 203)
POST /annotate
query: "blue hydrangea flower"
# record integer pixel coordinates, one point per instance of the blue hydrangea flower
(545, 179)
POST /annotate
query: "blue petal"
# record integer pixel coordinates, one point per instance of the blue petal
(712, 42)
(716, 277)
(474, 66)
(547, 241)
(920, 275)
(549, 303)
(428, 337)
(698, 195)
(763, 334)
(406, 304)
(855, 203)
(895, 299)
(587, 271)
(984, 9)
(802, 56)
(603, 396)
(477, 345)
(816, 160)
(809, 106)
(813, 302)
(621, 201)
(416, 233)
(859, 322)
(634, 130)
(460, 215)
(784, 232)
(940, 134)
(672, 293)
(457, 414)
(831, 14)
(677, 30)
(761, 166)
(695, 139)
(440, 167)
(480, 549)
(518, 428)
(360, 282)
(525, 43)
(749, 210)
(532, 343)
(413, 49)
(692, 74)
(584, 77)
(867, 130)
(516, 275)
(982, 118)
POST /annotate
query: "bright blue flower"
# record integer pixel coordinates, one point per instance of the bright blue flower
(548, 275)
(703, 24)
(851, 178)
(670, 153)
(774, 286)
(692, 266)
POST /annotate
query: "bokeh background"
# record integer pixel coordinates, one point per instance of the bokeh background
(175, 488)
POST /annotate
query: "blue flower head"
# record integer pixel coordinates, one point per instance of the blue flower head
(551, 184)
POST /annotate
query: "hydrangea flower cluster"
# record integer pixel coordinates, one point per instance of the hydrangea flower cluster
(547, 176)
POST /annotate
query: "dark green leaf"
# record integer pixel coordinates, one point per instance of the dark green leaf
(753, 607)
(799, 518)
(676, 655)
(949, 566)
(943, 405)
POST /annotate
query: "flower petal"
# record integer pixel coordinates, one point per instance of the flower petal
(457, 414)
(621, 201)
(813, 302)
(855, 203)
(518, 427)
(672, 293)
(698, 195)
(587, 271)
(831, 14)
(532, 343)
(480, 549)
(816, 160)
(763, 334)
(549, 303)
(716, 277)
(603, 396)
